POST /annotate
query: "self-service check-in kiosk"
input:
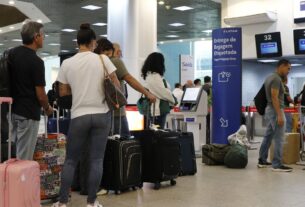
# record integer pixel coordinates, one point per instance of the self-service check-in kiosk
(193, 112)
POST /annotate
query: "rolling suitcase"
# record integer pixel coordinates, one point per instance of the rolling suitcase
(122, 165)
(50, 152)
(63, 122)
(188, 158)
(19, 179)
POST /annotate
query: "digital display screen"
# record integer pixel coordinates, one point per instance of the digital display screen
(191, 94)
(302, 44)
(299, 41)
(269, 47)
(302, 5)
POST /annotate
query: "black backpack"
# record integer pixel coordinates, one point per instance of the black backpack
(260, 100)
(4, 75)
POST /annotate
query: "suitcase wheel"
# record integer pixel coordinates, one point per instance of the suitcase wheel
(134, 188)
(117, 192)
(157, 186)
(141, 185)
(173, 182)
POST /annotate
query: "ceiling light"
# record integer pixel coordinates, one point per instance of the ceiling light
(296, 64)
(203, 39)
(180, 40)
(91, 7)
(104, 35)
(39, 21)
(44, 53)
(161, 2)
(46, 35)
(183, 8)
(64, 51)
(75, 40)
(77, 48)
(0, 30)
(267, 61)
(68, 30)
(16, 40)
(167, 7)
(11, 2)
(172, 36)
(207, 31)
(161, 43)
(1, 44)
(100, 24)
(177, 24)
(54, 44)
(12, 27)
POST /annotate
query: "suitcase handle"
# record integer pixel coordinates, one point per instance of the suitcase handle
(8, 100)
(46, 122)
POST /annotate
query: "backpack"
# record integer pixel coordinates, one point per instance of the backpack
(5, 87)
(236, 157)
(260, 100)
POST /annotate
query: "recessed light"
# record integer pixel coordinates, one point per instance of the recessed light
(295, 64)
(183, 8)
(180, 40)
(46, 35)
(100, 24)
(11, 2)
(44, 53)
(172, 36)
(267, 61)
(104, 35)
(77, 48)
(39, 21)
(64, 51)
(1, 44)
(75, 40)
(54, 44)
(0, 30)
(177, 24)
(161, 43)
(203, 39)
(161, 2)
(12, 27)
(91, 7)
(16, 40)
(207, 31)
(68, 30)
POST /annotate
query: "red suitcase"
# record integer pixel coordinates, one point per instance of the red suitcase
(19, 179)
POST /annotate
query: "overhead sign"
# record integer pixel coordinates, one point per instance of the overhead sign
(187, 71)
(299, 11)
(226, 88)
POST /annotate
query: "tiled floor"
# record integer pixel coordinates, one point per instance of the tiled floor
(217, 186)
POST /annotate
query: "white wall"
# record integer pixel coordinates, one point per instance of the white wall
(284, 24)
(51, 65)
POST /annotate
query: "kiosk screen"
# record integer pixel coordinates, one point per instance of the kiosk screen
(191, 94)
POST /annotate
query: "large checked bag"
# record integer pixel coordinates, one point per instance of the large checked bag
(19, 179)
(214, 154)
(188, 158)
(50, 153)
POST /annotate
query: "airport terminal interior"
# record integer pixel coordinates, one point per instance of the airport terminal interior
(236, 43)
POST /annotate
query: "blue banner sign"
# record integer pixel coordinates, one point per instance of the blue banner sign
(226, 88)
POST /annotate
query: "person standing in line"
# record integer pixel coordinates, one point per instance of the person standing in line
(178, 93)
(152, 72)
(287, 101)
(275, 118)
(82, 76)
(197, 83)
(207, 87)
(28, 83)
(104, 46)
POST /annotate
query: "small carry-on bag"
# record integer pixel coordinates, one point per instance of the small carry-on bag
(19, 179)
(50, 153)
(188, 158)
(161, 155)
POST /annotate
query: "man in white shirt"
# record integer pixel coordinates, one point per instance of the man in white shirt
(178, 92)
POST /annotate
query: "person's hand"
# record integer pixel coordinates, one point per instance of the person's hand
(280, 120)
(49, 111)
(151, 97)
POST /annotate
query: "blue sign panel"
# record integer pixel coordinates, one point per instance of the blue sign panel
(227, 57)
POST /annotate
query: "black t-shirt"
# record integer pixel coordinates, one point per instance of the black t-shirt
(27, 72)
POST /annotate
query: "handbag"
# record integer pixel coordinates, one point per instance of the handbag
(143, 105)
(114, 97)
(260, 100)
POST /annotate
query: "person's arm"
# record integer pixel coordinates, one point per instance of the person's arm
(115, 80)
(64, 89)
(138, 87)
(43, 99)
(276, 105)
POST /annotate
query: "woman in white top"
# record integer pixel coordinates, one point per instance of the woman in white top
(82, 76)
(152, 72)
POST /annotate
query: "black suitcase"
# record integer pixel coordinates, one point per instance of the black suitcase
(122, 165)
(188, 158)
(161, 156)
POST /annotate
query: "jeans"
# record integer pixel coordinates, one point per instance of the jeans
(288, 122)
(94, 130)
(124, 126)
(160, 120)
(24, 134)
(274, 131)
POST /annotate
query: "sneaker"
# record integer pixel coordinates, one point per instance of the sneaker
(282, 168)
(57, 205)
(96, 204)
(262, 164)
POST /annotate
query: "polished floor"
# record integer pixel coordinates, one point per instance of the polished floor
(217, 186)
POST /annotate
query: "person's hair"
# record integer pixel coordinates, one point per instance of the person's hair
(103, 44)
(207, 79)
(177, 85)
(85, 35)
(283, 62)
(154, 63)
(29, 30)
(196, 81)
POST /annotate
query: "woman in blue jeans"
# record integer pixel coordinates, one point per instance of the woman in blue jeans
(82, 76)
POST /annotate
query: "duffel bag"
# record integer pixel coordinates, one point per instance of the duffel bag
(237, 157)
(213, 154)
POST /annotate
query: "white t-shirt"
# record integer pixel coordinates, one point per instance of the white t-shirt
(84, 73)
(178, 93)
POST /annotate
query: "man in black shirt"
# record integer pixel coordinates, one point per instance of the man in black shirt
(28, 89)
